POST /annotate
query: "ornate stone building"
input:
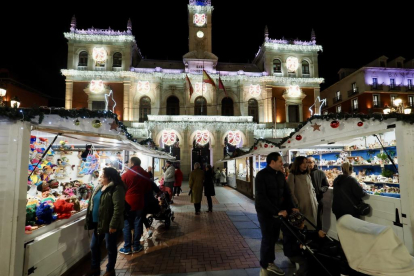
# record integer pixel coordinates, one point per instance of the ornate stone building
(265, 98)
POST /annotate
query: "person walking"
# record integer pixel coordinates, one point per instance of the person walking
(209, 187)
(303, 193)
(138, 184)
(223, 178)
(272, 199)
(217, 176)
(320, 184)
(178, 180)
(196, 187)
(169, 177)
(105, 216)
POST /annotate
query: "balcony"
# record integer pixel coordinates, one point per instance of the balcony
(353, 92)
(305, 75)
(82, 68)
(394, 88)
(337, 99)
(376, 87)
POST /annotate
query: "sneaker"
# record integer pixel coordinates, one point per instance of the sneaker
(149, 234)
(136, 250)
(125, 251)
(264, 272)
(274, 269)
(142, 238)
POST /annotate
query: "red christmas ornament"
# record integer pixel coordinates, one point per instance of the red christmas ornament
(288, 141)
(255, 148)
(266, 145)
(271, 146)
(335, 124)
(298, 137)
(360, 124)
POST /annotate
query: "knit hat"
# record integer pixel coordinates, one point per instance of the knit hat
(296, 219)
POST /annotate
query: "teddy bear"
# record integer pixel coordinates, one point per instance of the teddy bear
(44, 214)
(63, 209)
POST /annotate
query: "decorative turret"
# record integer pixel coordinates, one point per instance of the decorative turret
(313, 36)
(266, 33)
(129, 26)
(73, 24)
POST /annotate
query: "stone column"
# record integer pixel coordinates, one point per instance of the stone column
(217, 148)
(126, 116)
(69, 94)
(185, 153)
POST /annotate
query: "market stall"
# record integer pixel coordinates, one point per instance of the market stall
(42, 230)
(381, 150)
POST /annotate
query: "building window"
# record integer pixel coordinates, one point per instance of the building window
(305, 67)
(338, 95)
(253, 110)
(382, 63)
(374, 82)
(355, 104)
(411, 101)
(354, 87)
(338, 109)
(399, 64)
(173, 106)
(144, 108)
(98, 105)
(410, 84)
(277, 66)
(392, 83)
(227, 107)
(200, 106)
(375, 100)
(83, 58)
(117, 60)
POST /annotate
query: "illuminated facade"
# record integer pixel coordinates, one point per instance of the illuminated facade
(153, 96)
(372, 88)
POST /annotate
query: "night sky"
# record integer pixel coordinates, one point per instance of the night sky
(34, 49)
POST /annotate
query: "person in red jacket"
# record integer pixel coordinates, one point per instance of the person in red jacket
(138, 184)
(178, 180)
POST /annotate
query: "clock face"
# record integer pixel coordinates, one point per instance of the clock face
(200, 34)
(292, 64)
(200, 19)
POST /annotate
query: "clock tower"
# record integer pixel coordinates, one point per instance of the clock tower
(199, 24)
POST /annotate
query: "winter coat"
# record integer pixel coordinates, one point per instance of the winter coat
(209, 183)
(272, 193)
(196, 185)
(111, 209)
(303, 195)
(178, 178)
(223, 178)
(138, 184)
(217, 174)
(319, 182)
(169, 175)
(340, 204)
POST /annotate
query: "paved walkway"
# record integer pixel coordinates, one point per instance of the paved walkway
(225, 242)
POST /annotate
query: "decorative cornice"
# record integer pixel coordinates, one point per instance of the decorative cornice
(190, 118)
(300, 46)
(123, 37)
(200, 9)
(192, 126)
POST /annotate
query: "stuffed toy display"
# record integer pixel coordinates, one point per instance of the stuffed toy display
(44, 214)
(63, 209)
(76, 204)
(31, 214)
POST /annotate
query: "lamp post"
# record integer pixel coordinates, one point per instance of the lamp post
(397, 108)
(15, 102)
(2, 94)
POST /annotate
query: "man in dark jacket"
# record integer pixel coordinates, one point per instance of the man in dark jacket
(273, 199)
(320, 184)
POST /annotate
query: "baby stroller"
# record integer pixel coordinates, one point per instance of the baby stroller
(165, 213)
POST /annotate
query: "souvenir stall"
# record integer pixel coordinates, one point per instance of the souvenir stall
(380, 148)
(53, 164)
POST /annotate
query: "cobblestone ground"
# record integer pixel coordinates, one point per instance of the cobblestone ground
(225, 242)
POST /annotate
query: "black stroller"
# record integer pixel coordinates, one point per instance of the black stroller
(165, 213)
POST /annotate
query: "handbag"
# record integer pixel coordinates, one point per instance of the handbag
(362, 208)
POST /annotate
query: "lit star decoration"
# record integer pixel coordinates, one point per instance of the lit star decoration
(106, 101)
(114, 125)
(321, 103)
(316, 127)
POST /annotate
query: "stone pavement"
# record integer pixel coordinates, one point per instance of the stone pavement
(225, 242)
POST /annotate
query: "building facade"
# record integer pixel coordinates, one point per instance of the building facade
(373, 88)
(266, 98)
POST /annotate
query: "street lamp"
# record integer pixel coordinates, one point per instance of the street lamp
(15, 102)
(2, 94)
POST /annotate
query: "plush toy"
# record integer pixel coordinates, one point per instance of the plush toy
(84, 204)
(31, 214)
(43, 187)
(63, 209)
(46, 173)
(44, 214)
(75, 201)
(35, 178)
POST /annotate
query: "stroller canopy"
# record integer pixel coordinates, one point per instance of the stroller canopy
(373, 249)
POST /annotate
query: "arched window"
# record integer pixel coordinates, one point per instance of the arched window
(117, 60)
(200, 106)
(83, 58)
(144, 109)
(305, 67)
(173, 106)
(227, 107)
(253, 110)
(277, 66)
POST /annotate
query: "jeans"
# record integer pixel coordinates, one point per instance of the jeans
(210, 203)
(197, 207)
(176, 190)
(111, 246)
(132, 223)
(270, 228)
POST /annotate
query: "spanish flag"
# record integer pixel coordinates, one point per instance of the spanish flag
(221, 86)
(208, 79)
(189, 85)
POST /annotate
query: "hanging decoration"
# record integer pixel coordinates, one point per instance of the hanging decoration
(266, 146)
(254, 90)
(96, 86)
(360, 124)
(234, 138)
(99, 54)
(294, 91)
(106, 101)
(76, 122)
(292, 64)
(321, 104)
(143, 87)
(200, 19)
(298, 137)
(96, 123)
(335, 124)
(316, 127)
(169, 137)
(202, 137)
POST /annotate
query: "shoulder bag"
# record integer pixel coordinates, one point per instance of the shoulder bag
(362, 208)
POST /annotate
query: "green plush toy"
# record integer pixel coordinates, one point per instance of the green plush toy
(31, 215)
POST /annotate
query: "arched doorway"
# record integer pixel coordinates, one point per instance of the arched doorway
(173, 106)
(200, 106)
(170, 142)
(201, 148)
(227, 108)
(144, 108)
(253, 110)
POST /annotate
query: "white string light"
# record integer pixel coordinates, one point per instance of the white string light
(106, 100)
(321, 103)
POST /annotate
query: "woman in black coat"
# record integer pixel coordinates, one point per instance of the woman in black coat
(209, 187)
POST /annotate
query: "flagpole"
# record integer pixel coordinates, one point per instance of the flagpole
(202, 88)
(217, 95)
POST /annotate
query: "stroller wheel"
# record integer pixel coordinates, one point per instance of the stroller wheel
(167, 223)
(150, 220)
